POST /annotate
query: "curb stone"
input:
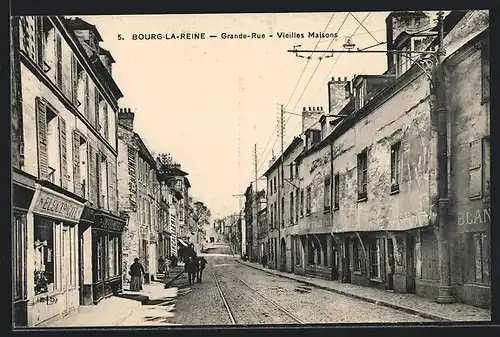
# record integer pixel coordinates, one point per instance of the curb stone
(360, 297)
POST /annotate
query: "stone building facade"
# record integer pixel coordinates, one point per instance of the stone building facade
(373, 209)
(66, 228)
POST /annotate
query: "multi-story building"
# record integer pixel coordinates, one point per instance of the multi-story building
(262, 232)
(137, 186)
(64, 158)
(377, 182)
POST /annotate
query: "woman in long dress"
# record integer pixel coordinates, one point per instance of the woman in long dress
(136, 272)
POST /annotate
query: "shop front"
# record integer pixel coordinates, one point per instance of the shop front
(106, 255)
(52, 253)
(22, 195)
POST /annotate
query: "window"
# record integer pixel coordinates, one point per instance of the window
(296, 170)
(100, 249)
(336, 201)
(44, 256)
(52, 142)
(275, 215)
(308, 201)
(282, 211)
(270, 186)
(292, 209)
(375, 258)
(274, 184)
(272, 216)
(310, 252)
(479, 252)
(479, 168)
(291, 170)
(302, 203)
(327, 194)
(362, 175)
(282, 174)
(297, 204)
(360, 96)
(113, 255)
(429, 256)
(485, 72)
(103, 180)
(357, 254)
(395, 166)
(19, 252)
(297, 250)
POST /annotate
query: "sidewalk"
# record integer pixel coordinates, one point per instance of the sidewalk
(116, 310)
(410, 303)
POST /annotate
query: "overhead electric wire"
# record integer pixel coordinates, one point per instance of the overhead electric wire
(289, 99)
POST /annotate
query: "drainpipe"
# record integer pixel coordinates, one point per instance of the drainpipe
(445, 294)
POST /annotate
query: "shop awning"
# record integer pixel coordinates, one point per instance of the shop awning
(182, 242)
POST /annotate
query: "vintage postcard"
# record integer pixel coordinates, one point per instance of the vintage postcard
(251, 169)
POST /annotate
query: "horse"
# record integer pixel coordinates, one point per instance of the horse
(190, 268)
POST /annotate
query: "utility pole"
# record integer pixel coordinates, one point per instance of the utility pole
(281, 183)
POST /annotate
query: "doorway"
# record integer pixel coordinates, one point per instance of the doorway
(390, 264)
(283, 255)
(335, 261)
(346, 265)
(411, 264)
(66, 270)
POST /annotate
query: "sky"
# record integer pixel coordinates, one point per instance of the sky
(207, 102)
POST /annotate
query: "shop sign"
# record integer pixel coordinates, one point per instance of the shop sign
(482, 215)
(108, 223)
(50, 204)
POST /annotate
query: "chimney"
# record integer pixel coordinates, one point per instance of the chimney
(310, 116)
(339, 92)
(126, 118)
(404, 21)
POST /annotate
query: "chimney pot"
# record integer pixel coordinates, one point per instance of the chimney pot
(345, 78)
(339, 79)
(304, 108)
(309, 108)
(333, 78)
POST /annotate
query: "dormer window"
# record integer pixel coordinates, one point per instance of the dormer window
(360, 95)
(92, 41)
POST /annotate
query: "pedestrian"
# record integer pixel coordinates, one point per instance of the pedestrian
(161, 266)
(264, 260)
(190, 269)
(136, 272)
(201, 265)
(174, 261)
(167, 268)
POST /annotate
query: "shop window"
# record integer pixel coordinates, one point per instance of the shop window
(429, 255)
(99, 256)
(310, 252)
(357, 255)
(395, 166)
(362, 175)
(298, 244)
(113, 251)
(19, 254)
(374, 247)
(479, 253)
(44, 256)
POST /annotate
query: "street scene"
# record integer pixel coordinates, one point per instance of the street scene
(251, 169)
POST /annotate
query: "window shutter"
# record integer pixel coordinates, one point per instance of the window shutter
(43, 159)
(58, 51)
(475, 172)
(92, 176)
(113, 198)
(485, 71)
(74, 80)
(96, 107)
(40, 41)
(86, 103)
(106, 121)
(76, 164)
(63, 153)
(91, 111)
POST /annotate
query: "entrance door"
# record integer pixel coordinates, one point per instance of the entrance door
(283, 255)
(66, 267)
(390, 264)
(346, 272)
(335, 261)
(411, 268)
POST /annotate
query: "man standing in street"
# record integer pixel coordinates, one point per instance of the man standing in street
(201, 265)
